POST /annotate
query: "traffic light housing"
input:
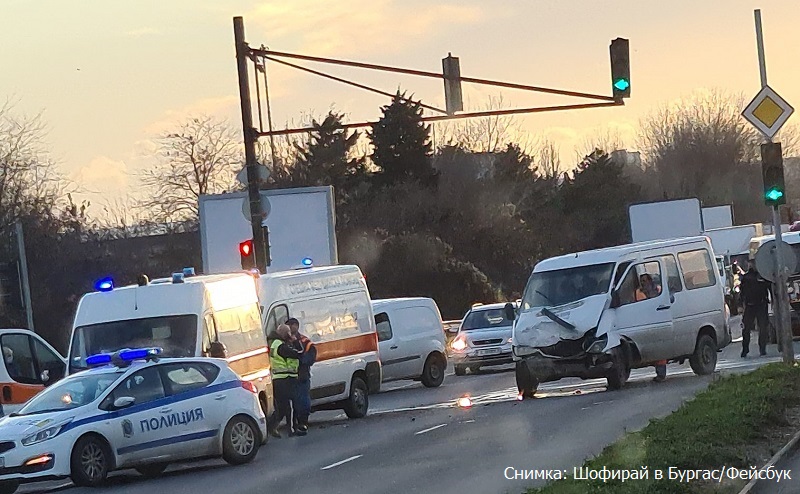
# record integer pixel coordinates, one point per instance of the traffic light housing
(620, 68)
(772, 173)
(247, 255)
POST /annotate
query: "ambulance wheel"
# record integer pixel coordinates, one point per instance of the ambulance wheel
(433, 371)
(90, 461)
(460, 370)
(9, 486)
(357, 404)
(240, 440)
(152, 470)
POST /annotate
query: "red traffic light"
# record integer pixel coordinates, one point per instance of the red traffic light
(246, 248)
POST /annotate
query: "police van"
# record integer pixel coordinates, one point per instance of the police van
(333, 306)
(185, 315)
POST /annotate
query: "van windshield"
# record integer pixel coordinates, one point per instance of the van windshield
(563, 286)
(176, 335)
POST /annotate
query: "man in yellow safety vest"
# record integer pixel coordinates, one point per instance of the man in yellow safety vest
(285, 364)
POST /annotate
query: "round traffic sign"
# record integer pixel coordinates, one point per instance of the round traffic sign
(765, 259)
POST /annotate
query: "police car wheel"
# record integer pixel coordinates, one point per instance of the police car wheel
(90, 461)
(9, 486)
(152, 470)
(241, 440)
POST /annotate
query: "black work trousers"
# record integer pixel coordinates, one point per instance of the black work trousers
(753, 314)
(285, 390)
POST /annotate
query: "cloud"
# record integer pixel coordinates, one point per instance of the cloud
(226, 107)
(363, 26)
(102, 175)
(142, 31)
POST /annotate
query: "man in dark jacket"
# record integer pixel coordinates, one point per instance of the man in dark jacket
(755, 292)
(302, 402)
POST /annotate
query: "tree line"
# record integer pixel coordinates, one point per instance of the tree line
(462, 220)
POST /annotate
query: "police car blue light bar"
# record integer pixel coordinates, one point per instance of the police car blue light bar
(307, 262)
(99, 359)
(139, 354)
(104, 284)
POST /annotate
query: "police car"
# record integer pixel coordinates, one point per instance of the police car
(131, 410)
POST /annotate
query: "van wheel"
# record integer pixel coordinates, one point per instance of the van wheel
(619, 373)
(152, 470)
(704, 359)
(526, 383)
(9, 486)
(460, 370)
(433, 372)
(90, 461)
(357, 404)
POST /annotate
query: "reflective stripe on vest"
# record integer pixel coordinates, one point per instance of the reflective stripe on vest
(282, 367)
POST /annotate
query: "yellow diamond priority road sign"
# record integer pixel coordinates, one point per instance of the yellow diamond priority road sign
(768, 112)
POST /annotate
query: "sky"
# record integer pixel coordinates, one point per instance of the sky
(110, 75)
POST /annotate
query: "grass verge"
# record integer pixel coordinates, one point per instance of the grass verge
(717, 428)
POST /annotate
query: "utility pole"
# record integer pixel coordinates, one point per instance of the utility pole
(783, 323)
(23, 275)
(260, 240)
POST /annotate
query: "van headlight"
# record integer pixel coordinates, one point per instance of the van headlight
(44, 434)
(598, 345)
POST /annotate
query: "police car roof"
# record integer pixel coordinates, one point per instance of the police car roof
(110, 367)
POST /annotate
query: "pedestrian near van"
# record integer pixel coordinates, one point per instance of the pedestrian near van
(755, 292)
(302, 402)
(648, 288)
(285, 363)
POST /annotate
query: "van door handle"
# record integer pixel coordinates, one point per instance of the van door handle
(663, 307)
(393, 347)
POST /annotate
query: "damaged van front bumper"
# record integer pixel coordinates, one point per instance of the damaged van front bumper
(545, 368)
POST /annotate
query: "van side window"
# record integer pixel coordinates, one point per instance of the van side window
(239, 329)
(277, 316)
(384, 326)
(642, 282)
(698, 270)
(673, 275)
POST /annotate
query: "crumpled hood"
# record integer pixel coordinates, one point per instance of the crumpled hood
(16, 428)
(534, 329)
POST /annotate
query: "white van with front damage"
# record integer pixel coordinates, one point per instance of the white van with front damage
(600, 313)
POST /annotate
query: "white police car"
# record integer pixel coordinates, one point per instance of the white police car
(132, 411)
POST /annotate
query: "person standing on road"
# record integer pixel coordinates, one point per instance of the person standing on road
(755, 292)
(302, 402)
(650, 289)
(285, 363)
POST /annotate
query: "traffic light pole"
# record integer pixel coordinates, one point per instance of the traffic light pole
(783, 322)
(260, 239)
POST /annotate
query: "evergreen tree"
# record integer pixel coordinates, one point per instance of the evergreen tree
(401, 142)
(325, 160)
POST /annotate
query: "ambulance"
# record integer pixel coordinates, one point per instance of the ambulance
(333, 306)
(185, 315)
(29, 365)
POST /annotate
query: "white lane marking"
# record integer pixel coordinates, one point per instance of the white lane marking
(430, 429)
(333, 465)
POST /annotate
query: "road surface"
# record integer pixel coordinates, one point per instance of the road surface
(417, 439)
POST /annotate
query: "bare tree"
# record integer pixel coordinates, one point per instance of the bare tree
(29, 181)
(700, 147)
(201, 157)
(483, 135)
(547, 159)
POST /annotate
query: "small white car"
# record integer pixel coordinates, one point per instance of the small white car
(483, 339)
(133, 410)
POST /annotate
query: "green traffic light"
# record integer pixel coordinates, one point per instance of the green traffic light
(622, 85)
(774, 194)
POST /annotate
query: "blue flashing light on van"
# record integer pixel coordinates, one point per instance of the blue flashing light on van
(104, 284)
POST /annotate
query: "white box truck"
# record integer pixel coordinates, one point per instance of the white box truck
(665, 220)
(301, 224)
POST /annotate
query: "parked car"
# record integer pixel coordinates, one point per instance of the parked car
(411, 340)
(483, 339)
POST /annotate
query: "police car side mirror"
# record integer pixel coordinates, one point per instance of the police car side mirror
(217, 350)
(124, 402)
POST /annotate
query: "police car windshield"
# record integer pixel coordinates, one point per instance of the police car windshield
(72, 392)
(175, 335)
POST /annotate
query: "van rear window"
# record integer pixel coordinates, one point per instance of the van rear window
(698, 270)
